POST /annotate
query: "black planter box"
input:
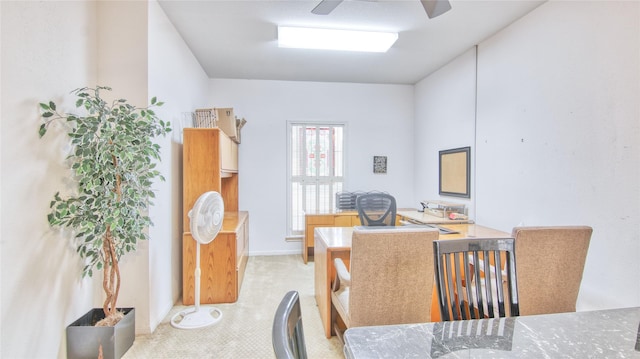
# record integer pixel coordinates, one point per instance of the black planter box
(84, 338)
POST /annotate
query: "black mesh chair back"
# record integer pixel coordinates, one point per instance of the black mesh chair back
(287, 335)
(472, 282)
(376, 209)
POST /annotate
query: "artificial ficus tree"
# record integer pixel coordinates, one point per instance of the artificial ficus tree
(113, 160)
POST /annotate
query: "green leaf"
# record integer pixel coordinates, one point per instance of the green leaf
(107, 130)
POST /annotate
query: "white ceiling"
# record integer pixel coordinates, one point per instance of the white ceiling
(238, 38)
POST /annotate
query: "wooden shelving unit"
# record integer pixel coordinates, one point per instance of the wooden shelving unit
(210, 163)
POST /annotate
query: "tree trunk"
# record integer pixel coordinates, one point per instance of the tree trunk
(111, 272)
(111, 275)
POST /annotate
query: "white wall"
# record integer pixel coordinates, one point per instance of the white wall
(48, 49)
(444, 119)
(182, 89)
(122, 65)
(379, 120)
(558, 134)
(558, 128)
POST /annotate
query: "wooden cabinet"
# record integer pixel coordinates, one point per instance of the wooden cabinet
(312, 221)
(210, 163)
(222, 262)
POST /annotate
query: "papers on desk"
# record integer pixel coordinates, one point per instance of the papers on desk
(441, 229)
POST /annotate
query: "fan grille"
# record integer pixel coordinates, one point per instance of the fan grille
(206, 217)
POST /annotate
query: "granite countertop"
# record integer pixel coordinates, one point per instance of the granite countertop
(613, 333)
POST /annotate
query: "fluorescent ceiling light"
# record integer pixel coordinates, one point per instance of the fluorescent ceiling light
(332, 39)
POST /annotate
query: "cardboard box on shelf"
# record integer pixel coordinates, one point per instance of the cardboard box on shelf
(226, 121)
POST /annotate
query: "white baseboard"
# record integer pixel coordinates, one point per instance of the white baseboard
(275, 253)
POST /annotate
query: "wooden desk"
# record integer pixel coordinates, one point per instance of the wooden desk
(339, 218)
(335, 242)
(612, 333)
(329, 219)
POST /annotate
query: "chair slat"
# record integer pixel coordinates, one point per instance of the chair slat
(470, 279)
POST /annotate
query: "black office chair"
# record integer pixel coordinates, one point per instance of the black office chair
(287, 335)
(470, 280)
(376, 209)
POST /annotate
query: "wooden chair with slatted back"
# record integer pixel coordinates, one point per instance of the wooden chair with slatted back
(467, 285)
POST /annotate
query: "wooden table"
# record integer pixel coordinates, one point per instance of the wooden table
(349, 218)
(335, 242)
(612, 333)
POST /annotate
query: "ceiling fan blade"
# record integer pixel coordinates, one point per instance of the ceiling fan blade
(325, 7)
(435, 7)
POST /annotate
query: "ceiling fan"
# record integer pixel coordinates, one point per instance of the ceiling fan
(432, 7)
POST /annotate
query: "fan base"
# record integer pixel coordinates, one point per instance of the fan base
(196, 318)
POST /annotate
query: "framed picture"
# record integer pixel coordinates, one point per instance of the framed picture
(379, 164)
(455, 172)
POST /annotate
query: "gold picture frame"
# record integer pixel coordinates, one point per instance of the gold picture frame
(455, 172)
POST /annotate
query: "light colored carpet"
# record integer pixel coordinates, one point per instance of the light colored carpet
(245, 328)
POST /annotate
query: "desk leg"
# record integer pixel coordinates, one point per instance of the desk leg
(322, 282)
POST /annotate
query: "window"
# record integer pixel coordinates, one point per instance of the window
(315, 171)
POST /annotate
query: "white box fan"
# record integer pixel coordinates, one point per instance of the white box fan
(206, 218)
